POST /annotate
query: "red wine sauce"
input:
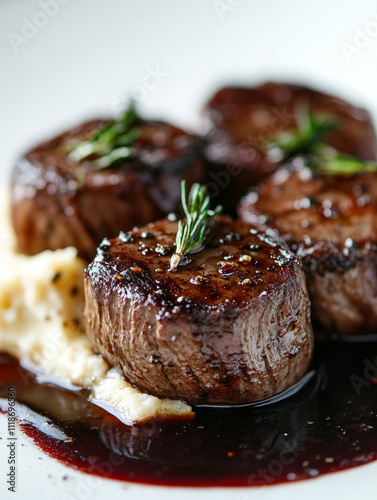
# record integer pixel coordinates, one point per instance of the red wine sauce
(330, 425)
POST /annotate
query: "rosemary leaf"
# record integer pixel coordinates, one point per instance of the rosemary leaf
(193, 231)
(329, 161)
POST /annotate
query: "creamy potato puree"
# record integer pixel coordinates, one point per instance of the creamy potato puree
(41, 323)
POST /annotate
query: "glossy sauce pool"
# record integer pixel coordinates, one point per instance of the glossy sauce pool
(330, 425)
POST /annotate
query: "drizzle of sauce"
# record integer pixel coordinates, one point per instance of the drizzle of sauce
(330, 425)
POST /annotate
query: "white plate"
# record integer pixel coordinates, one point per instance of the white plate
(65, 60)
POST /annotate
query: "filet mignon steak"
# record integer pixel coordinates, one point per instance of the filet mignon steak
(230, 326)
(330, 221)
(57, 202)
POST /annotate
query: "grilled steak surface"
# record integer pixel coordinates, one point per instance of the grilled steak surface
(57, 202)
(240, 120)
(330, 221)
(230, 326)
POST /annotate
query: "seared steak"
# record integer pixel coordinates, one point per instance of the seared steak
(330, 221)
(57, 202)
(230, 326)
(240, 120)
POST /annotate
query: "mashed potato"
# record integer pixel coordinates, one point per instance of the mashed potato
(41, 323)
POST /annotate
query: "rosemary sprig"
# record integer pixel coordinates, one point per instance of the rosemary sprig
(193, 231)
(311, 129)
(111, 143)
(307, 139)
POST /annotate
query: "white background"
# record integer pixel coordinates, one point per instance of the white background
(90, 53)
